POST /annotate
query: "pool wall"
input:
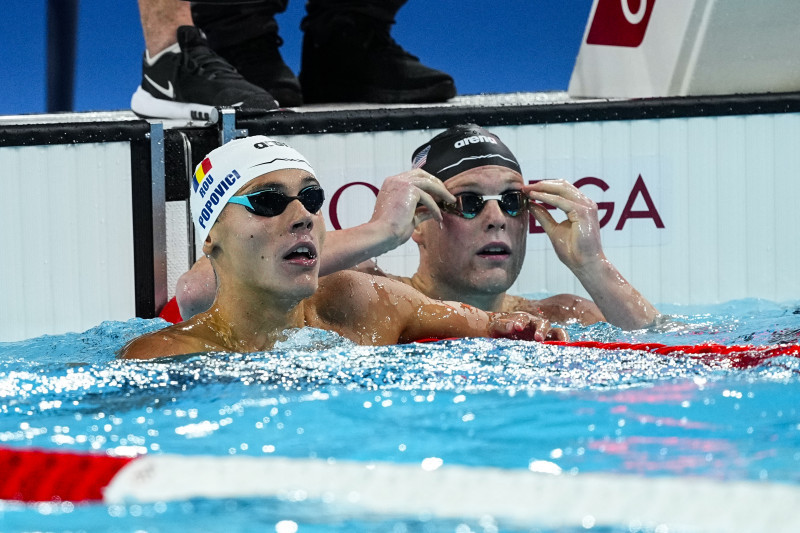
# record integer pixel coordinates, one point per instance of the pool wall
(696, 195)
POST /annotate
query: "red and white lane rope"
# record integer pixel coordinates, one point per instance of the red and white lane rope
(393, 490)
(735, 356)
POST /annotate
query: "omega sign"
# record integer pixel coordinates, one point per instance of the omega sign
(606, 210)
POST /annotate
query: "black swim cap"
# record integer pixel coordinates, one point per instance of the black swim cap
(462, 148)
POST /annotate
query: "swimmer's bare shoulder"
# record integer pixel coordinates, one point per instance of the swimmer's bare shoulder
(560, 308)
(364, 308)
(177, 339)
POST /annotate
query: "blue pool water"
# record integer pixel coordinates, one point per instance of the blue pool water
(471, 402)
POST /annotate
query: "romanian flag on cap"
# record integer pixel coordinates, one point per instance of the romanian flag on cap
(201, 172)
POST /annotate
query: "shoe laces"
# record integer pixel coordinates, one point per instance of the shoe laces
(381, 39)
(201, 59)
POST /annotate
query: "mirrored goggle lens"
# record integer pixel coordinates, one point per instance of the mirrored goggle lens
(470, 204)
(271, 203)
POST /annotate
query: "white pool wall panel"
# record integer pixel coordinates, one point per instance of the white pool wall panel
(66, 218)
(688, 47)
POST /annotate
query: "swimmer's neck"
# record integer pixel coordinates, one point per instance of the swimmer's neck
(493, 302)
(248, 322)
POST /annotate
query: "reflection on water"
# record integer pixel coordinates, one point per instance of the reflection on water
(474, 402)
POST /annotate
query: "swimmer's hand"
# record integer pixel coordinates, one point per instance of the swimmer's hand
(406, 200)
(576, 240)
(524, 326)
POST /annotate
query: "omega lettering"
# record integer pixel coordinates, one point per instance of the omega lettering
(606, 209)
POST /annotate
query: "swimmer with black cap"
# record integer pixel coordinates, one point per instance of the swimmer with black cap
(475, 254)
(256, 205)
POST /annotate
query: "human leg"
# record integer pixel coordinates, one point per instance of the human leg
(350, 56)
(246, 35)
(182, 77)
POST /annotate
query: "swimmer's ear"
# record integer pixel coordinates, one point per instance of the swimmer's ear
(418, 235)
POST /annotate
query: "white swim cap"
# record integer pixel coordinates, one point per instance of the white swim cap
(228, 168)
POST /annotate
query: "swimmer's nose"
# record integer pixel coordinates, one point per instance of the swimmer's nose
(493, 216)
(301, 218)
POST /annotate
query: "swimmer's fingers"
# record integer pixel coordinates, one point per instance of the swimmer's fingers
(432, 185)
(542, 216)
(531, 328)
(566, 205)
(427, 208)
(578, 208)
(557, 334)
(559, 188)
(431, 190)
(522, 326)
(545, 331)
(563, 195)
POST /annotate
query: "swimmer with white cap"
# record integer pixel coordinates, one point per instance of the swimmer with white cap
(256, 205)
(473, 252)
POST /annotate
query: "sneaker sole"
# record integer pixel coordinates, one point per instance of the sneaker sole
(146, 105)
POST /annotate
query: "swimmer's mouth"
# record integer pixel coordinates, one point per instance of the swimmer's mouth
(302, 251)
(495, 249)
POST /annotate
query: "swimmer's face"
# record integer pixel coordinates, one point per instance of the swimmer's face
(280, 253)
(482, 255)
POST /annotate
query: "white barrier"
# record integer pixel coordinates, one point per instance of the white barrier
(66, 216)
(646, 48)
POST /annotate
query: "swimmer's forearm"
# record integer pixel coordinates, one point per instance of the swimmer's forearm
(621, 304)
(348, 247)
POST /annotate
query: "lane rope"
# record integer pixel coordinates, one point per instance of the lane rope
(736, 356)
(367, 489)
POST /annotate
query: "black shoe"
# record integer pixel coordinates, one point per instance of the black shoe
(352, 58)
(188, 80)
(260, 62)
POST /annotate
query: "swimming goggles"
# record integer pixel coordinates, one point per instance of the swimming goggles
(272, 203)
(470, 204)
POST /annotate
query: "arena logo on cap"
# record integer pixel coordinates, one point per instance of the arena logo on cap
(219, 195)
(475, 139)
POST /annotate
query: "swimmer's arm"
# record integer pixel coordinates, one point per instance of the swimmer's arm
(403, 202)
(618, 300)
(576, 241)
(347, 248)
(560, 308)
(428, 318)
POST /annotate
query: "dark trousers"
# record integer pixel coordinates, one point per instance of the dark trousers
(227, 24)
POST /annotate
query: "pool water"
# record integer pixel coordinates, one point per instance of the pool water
(471, 402)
